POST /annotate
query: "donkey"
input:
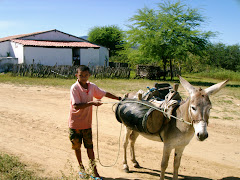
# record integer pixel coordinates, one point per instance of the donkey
(177, 134)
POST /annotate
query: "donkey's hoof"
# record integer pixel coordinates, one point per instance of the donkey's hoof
(126, 168)
(126, 171)
(136, 165)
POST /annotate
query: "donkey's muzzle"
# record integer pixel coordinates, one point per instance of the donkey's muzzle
(202, 136)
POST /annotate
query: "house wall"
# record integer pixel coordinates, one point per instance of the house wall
(48, 56)
(16, 50)
(4, 48)
(53, 36)
(89, 56)
(103, 56)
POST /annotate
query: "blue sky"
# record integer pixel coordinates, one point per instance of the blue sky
(77, 17)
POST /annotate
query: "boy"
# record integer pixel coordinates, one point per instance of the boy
(80, 119)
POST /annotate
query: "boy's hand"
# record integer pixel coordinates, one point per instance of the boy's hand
(97, 103)
(90, 103)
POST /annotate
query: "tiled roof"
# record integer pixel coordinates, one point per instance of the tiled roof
(55, 43)
(21, 35)
(35, 33)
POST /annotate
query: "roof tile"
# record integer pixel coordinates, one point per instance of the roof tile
(55, 43)
(20, 36)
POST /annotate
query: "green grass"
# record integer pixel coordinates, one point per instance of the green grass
(8, 78)
(228, 118)
(118, 86)
(232, 88)
(220, 74)
(11, 168)
(227, 102)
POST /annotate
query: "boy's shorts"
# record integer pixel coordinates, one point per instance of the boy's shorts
(77, 136)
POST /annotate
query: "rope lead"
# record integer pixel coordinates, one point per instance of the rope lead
(98, 147)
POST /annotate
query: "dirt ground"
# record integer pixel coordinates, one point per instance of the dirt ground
(33, 126)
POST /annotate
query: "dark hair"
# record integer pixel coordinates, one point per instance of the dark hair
(82, 68)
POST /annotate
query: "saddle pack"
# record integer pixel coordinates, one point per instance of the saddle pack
(151, 110)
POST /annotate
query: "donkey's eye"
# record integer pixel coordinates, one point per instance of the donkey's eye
(193, 108)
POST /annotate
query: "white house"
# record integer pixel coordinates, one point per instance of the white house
(53, 47)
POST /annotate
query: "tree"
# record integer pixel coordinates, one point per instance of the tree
(108, 36)
(168, 33)
(227, 57)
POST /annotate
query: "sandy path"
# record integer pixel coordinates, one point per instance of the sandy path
(33, 126)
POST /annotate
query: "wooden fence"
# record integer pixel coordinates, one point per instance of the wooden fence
(153, 72)
(110, 72)
(117, 64)
(38, 70)
(149, 72)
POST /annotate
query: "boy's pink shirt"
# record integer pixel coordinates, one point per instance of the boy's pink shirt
(82, 118)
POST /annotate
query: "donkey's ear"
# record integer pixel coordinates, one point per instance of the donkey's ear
(215, 88)
(187, 86)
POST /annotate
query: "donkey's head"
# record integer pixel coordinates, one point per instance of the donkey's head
(199, 106)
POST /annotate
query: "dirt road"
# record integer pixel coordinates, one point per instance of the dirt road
(33, 126)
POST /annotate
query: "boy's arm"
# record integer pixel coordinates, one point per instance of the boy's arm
(84, 105)
(109, 95)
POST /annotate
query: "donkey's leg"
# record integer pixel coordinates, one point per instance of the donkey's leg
(125, 144)
(133, 137)
(165, 158)
(177, 160)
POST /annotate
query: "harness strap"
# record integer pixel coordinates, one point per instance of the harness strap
(160, 136)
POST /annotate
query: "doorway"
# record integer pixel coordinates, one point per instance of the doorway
(76, 56)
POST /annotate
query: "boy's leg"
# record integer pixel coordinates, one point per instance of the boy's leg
(79, 157)
(88, 144)
(76, 139)
(90, 153)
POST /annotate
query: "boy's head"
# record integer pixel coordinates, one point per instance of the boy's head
(83, 73)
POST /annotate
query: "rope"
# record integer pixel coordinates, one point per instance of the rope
(97, 141)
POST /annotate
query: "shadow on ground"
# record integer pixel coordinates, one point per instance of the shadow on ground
(156, 173)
